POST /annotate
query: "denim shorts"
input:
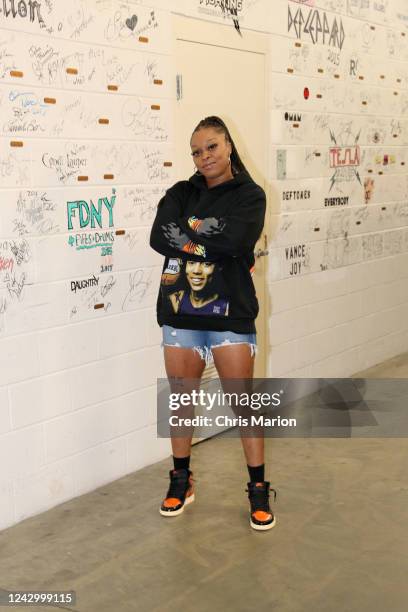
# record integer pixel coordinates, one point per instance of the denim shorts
(203, 341)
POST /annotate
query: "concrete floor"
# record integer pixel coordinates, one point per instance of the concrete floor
(340, 543)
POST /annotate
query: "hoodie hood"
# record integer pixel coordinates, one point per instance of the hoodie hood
(243, 177)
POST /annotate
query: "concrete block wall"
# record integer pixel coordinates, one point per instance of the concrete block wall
(86, 147)
(337, 266)
(86, 150)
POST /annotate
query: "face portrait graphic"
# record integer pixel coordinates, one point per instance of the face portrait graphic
(199, 274)
(199, 292)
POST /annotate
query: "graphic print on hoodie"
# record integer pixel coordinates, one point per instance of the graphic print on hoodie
(207, 236)
(194, 287)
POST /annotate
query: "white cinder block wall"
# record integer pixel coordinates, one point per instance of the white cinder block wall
(339, 140)
(86, 147)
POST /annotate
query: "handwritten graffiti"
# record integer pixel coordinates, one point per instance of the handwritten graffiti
(67, 165)
(297, 256)
(334, 57)
(384, 160)
(6, 263)
(225, 5)
(27, 110)
(36, 212)
(84, 284)
(368, 189)
(24, 9)
(21, 251)
(293, 117)
(122, 27)
(228, 7)
(90, 241)
(14, 285)
(316, 25)
(89, 213)
(137, 117)
(107, 259)
(381, 7)
(70, 161)
(344, 157)
(106, 267)
(131, 22)
(109, 284)
(152, 23)
(296, 195)
(336, 201)
(140, 282)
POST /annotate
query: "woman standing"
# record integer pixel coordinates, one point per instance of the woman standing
(207, 228)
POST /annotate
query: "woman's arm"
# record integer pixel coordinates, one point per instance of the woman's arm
(209, 238)
(234, 234)
(165, 236)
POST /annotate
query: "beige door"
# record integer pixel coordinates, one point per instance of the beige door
(221, 73)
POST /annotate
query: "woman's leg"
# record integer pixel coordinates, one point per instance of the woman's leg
(235, 361)
(184, 368)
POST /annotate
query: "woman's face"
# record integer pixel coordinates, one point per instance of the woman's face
(211, 152)
(198, 274)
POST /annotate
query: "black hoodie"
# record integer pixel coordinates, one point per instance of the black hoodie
(208, 237)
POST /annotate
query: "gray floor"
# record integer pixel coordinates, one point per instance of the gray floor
(340, 543)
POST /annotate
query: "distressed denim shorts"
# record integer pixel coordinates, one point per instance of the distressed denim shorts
(203, 341)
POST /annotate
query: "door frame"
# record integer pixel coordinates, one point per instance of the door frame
(197, 30)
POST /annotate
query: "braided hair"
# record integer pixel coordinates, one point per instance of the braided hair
(237, 165)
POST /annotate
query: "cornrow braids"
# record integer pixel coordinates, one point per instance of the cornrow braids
(237, 165)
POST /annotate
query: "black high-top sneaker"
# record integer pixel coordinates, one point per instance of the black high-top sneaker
(261, 516)
(180, 493)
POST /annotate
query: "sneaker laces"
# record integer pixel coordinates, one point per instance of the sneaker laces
(259, 498)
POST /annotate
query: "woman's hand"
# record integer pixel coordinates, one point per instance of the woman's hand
(177, 239)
